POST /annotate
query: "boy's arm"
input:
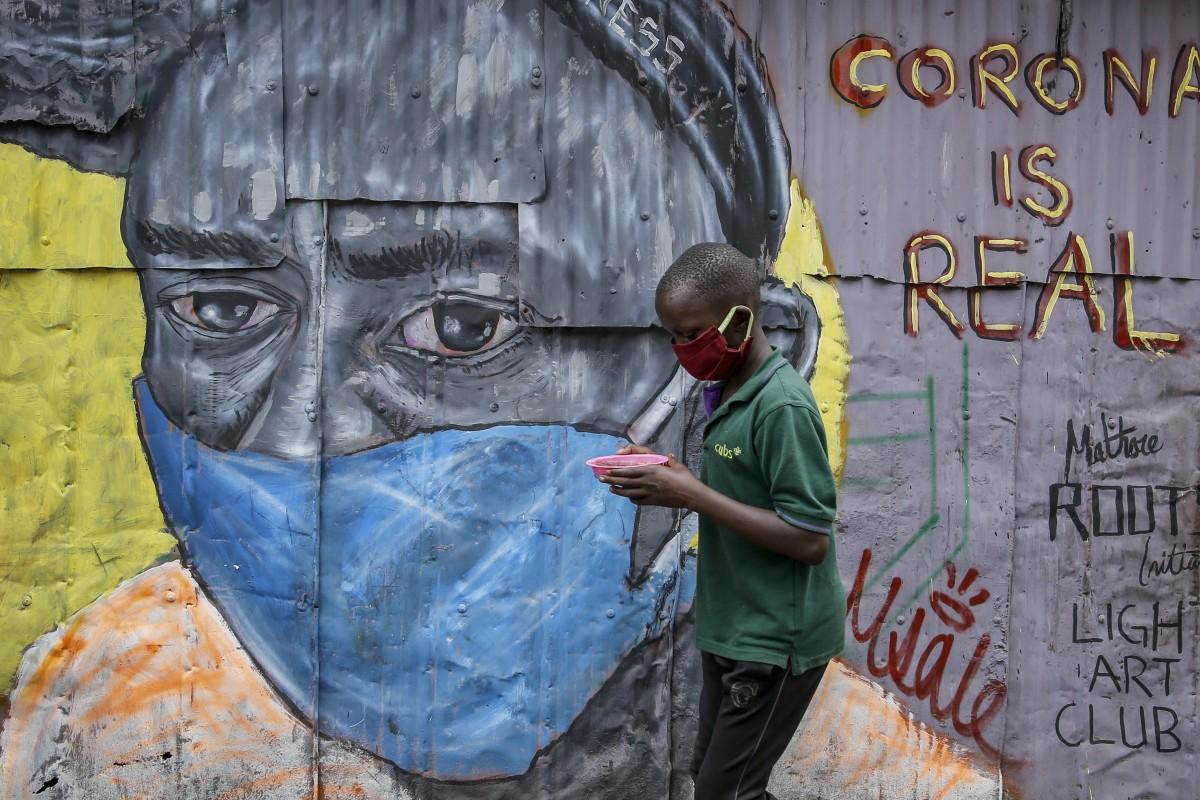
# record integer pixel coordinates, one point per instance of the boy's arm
(761, 526)
(790, 445)
(674, 486)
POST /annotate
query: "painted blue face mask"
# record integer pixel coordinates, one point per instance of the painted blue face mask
(472, 592)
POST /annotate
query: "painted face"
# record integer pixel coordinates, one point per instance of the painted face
(404, 391)
(376, 310)
(390, 318)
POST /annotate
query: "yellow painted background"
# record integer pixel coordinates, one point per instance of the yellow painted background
(53, 216)
(78, 512)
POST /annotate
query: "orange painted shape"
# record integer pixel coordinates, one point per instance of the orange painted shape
(1115, 69)
(844, 65)
(983, 79)
(1035, 79)
(1073, 260)
(1060, 193)
(1125, 335)
(1003, 331)
(916, 290)
(909, 72)
(1185, 79)
(1002, 194)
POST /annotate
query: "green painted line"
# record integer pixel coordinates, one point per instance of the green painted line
(933, 468)
(965, 459)
(888, 438)
(965, 456)
(932, 520)
(868, 397)
(872, 483)
(929, 525)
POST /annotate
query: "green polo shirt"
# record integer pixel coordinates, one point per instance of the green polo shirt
(765, 447)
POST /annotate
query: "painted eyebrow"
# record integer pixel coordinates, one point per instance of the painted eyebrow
(168, 239)
(434, 251)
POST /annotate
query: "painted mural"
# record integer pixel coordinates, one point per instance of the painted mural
(310, 320)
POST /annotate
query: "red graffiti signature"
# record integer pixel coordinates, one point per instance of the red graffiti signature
(923, 678)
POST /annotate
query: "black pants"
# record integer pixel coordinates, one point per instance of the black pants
(748, 715)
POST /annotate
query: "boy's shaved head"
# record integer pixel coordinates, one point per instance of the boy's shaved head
(715, 272)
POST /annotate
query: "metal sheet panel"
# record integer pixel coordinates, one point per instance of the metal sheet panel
(206, 188)
(661, 134)
(917, 168)
(67, 63)
(1065, 621)
(413, 382)
(415, 102)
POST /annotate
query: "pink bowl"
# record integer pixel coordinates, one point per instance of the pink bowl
(603, 464)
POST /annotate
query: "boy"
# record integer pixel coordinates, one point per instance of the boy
(769, 600)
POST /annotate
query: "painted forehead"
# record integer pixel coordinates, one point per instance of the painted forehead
(599, 204)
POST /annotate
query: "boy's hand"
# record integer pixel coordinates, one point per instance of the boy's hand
(671, 485)
(634, 449)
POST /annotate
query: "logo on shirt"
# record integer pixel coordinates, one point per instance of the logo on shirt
(725, 451)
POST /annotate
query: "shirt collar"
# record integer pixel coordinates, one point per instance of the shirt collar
(712, 392)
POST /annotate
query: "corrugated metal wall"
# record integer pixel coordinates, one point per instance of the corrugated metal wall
(310, 316)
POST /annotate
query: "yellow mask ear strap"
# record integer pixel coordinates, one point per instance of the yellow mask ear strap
(729, 318)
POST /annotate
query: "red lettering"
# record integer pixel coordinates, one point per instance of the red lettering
(924, 681)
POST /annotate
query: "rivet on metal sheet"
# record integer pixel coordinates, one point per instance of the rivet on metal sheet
(962, 217)
(313, 89)
(610, 613)
(643, 80)
(1108, 223)
(169, 596)
(26, 601)
(462, 608)
(773, 214)
(45, 241)
(415, 92)
(962, 92)
(645, 216)
(862, 211)
(274, 237)
(270, 86)
(494, 407)
(1196, 233)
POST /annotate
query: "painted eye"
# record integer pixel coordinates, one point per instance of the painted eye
(223, 311)
(458, 327)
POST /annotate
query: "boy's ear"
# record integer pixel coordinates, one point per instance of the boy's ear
(790, 320)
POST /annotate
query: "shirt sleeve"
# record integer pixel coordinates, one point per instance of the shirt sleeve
(790, 444)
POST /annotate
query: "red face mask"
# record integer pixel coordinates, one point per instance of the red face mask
(709, 357)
